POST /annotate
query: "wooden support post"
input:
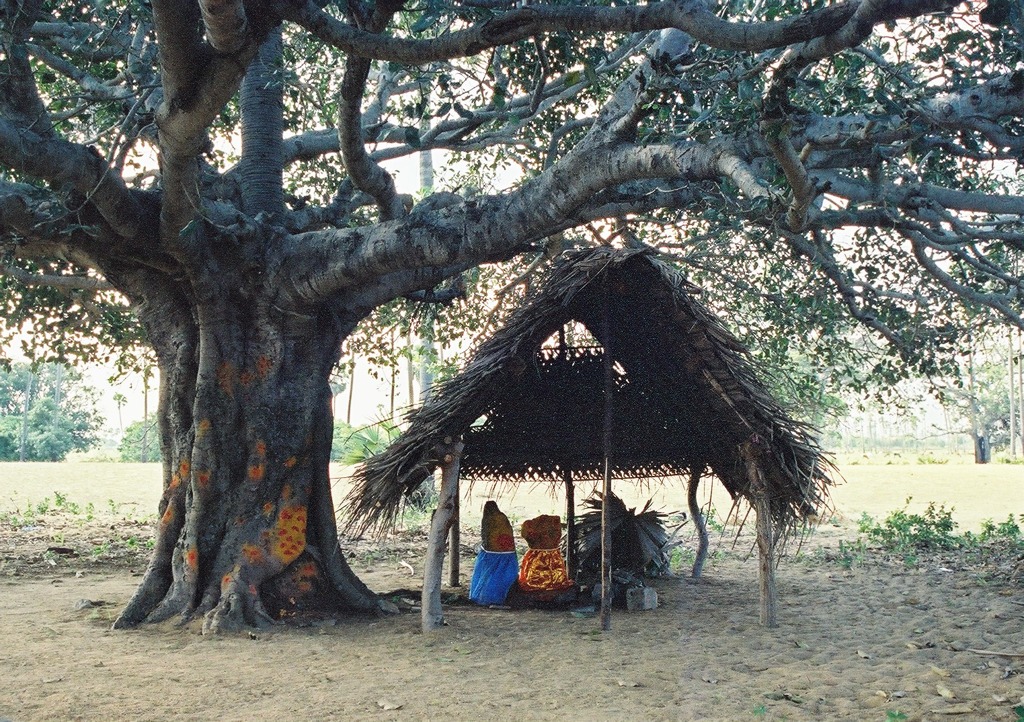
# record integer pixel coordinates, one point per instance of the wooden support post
(570, 523)
(699, 523)
(431, 612)
(606, 552)
(454, 542)
(751, 451)
(766, 556)
(606, 488)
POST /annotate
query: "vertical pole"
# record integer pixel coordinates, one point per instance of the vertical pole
(453, 542)
(432, 615)
(698, 521)
(751, 451)
(570, 523)
(606, 488)
(766, 554)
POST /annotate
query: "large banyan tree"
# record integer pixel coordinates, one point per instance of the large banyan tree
(217, 170)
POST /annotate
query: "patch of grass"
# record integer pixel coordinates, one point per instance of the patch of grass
(893, 715)
(850, 553)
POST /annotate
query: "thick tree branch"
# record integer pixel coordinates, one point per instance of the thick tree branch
(226, 24)
(489, 228)
(914, 195)
(64, 164)
(19, 97)
(79, 283)
(262, 124)
(690, 16)
(367, 175)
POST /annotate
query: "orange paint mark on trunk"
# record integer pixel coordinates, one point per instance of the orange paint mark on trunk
(257, 471)
(228, 578)
(226, 373)
(168, 516)
(203, 427)
(192, 558)
(184, 468)
(245, 378)
(263, 366)
(203, 477)
(268, 509)
(261, 448)
(175, 480)
(253, 554)
(290, 462)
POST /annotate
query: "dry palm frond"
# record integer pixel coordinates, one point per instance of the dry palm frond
(640, 543)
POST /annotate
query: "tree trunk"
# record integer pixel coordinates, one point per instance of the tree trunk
(247, 534)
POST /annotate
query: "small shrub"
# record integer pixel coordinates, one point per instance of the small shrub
(1008, 530)
(903, 532)
(61, 503)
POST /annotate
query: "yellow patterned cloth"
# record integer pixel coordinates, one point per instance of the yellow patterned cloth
(543, 567)
(543, 570)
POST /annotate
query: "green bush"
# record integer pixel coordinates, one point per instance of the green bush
(1008, 530)
(903, 532)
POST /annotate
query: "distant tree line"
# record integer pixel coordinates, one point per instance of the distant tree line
(46, 412)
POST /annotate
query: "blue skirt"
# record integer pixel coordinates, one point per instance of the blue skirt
(493, 575)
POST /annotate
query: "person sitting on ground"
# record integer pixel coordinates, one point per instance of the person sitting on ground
(497, 564)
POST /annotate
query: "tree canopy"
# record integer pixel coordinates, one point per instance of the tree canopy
(217, 177)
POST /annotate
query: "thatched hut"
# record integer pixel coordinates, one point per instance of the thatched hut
(681, 390)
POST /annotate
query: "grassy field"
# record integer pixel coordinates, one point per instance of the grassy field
(976, 493)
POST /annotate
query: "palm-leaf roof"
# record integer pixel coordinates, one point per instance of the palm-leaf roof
(686, 396)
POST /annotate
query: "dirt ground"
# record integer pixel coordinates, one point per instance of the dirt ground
(861, 637)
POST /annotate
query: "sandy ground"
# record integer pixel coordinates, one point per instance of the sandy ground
(875, 641)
